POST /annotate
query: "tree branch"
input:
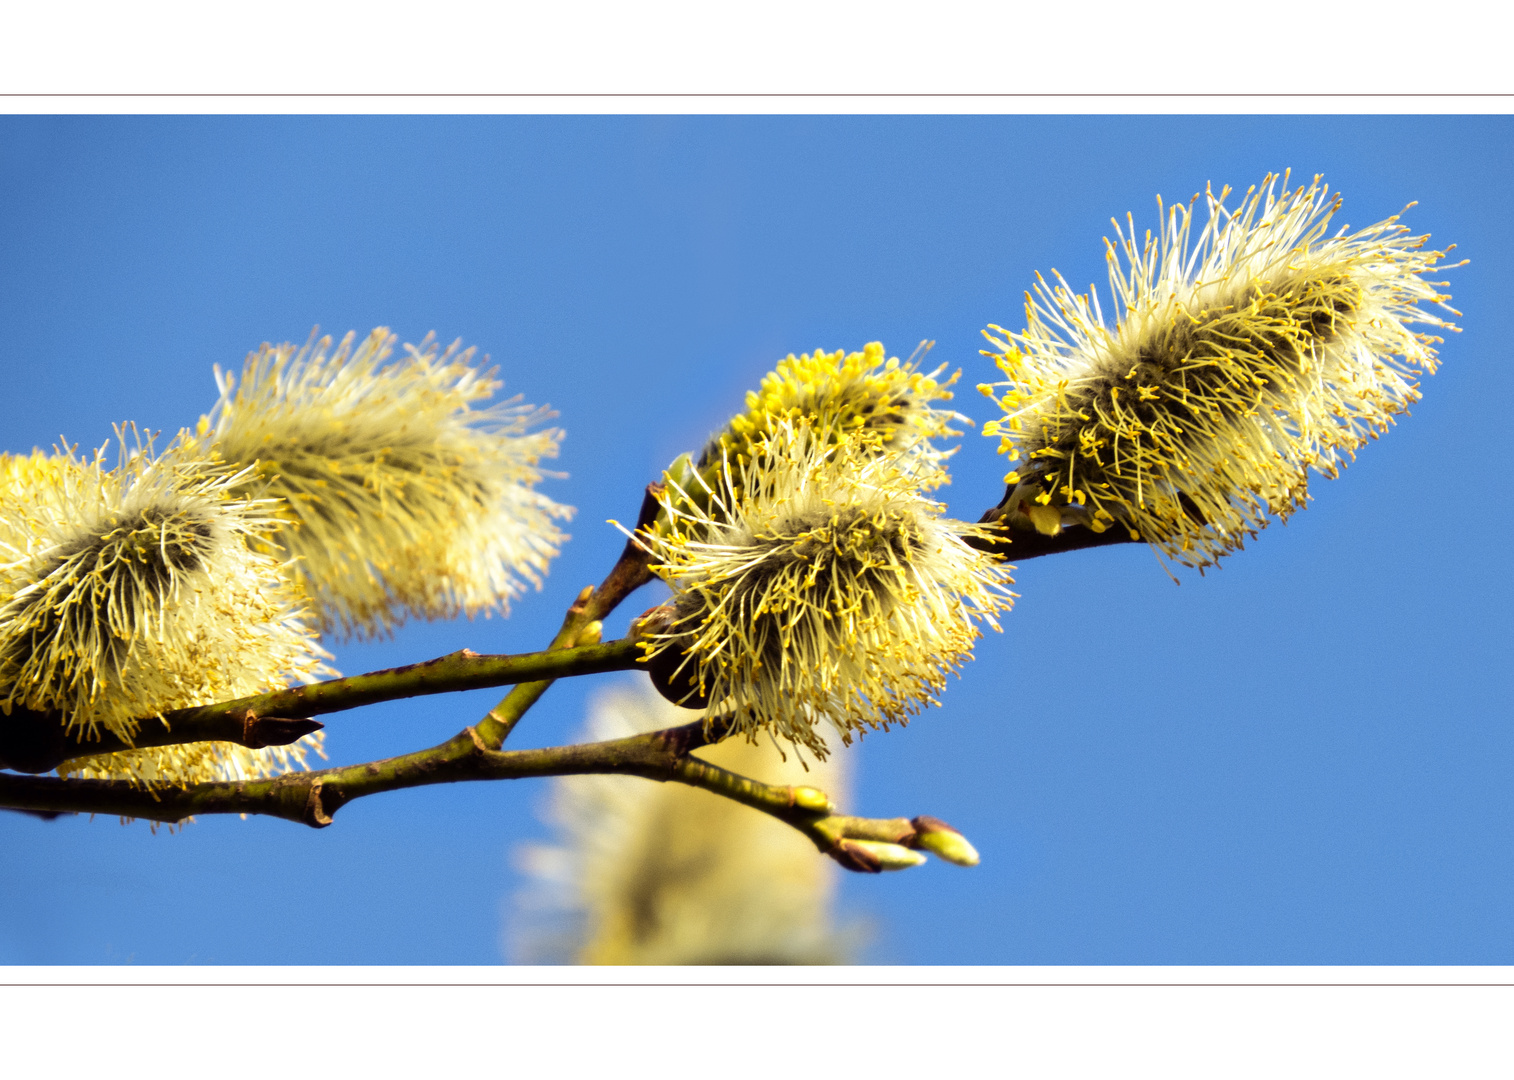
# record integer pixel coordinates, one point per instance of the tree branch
(36, 742)
(629, 573)
(313, 798)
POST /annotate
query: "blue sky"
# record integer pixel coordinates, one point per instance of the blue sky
(1303, 757)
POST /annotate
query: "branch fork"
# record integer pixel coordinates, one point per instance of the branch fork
(36, 743)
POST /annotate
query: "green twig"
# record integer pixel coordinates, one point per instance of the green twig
(629, 573)
(313, 798)
(37, 742)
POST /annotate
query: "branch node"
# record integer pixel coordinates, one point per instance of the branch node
(315, 813)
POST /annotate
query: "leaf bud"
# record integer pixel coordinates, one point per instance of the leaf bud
(874, 856)
(811, 798)
(592, 634)
(943, 841)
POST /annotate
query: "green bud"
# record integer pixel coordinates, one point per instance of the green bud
(876, 856)
(682, 472)
(943, 841)
(694, 483)
(809, 798)
(1046, 519)
(592, 634)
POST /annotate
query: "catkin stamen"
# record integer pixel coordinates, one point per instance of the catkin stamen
(1233, 368)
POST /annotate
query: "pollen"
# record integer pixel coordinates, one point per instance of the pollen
(131, 591)
(1236, 363)
(401, 498)
(827, 588)
(847, 393)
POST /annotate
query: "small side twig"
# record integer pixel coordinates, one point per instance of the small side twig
(314, 798)
(630, 572)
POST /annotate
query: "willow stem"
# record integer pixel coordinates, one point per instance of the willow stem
(474, 754)
(313, 798)
(629, 573)
(37, 742)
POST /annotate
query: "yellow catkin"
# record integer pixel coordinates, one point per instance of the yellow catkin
(1235, 364)
(845, 393)
(132, 591)
(829, 589)
(402, 498)
(648, 873)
